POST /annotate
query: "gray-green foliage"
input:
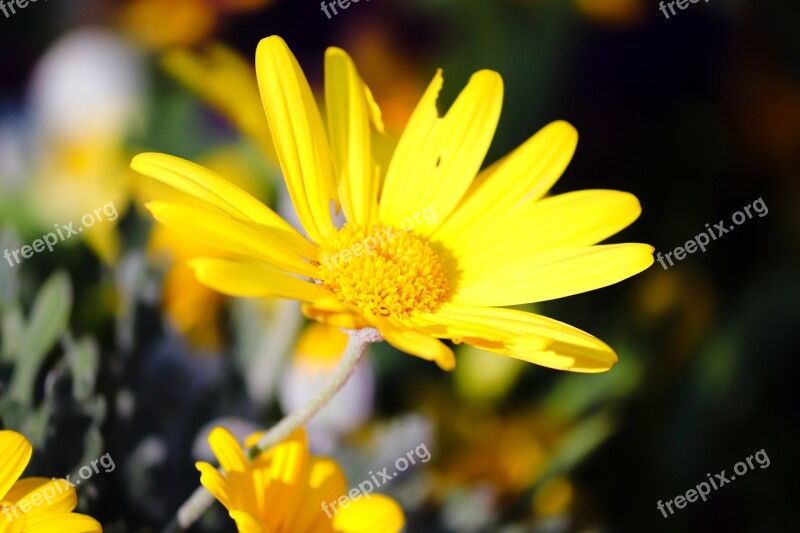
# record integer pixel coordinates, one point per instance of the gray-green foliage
(27, 402)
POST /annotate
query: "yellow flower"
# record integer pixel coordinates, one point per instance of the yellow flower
(429, 251)
(286, 490)
(35, 504)
(192, 308)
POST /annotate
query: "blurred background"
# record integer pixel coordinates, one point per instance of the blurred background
(110, 346)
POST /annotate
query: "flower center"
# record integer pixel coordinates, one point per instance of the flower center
(384, 270)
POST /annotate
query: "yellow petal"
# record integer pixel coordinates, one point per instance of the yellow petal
(524, 336)
(227, 82)
(217, 485)
(512, 279)
(62, 523)
(247, 280)
(227, 450)
(227, 233)
(348, 106)
(326, 484)
(334, 312)
(287, 467)
(526, 174)
(207, 186)
(16, 523)
(570, 220)
(15, 451)
(241, 483)
(246, 523)
(414, 343)
(437, 159)
(55, 495)
(376, 514)
(299, 136)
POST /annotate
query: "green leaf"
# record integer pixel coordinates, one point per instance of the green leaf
(83, 359)
(48, 321)
(12, 327)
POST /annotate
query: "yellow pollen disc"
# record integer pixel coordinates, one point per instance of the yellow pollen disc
(382, 269)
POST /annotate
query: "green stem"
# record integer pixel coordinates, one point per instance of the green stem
(357, 344)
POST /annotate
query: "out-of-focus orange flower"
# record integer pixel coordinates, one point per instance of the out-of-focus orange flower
(508, 453)
(684, 301)
(612, 12)
(158, 24)
(554, 497)
(392, 77)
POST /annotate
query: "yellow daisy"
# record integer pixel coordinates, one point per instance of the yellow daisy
(433, 247)
(287, 490)
(35, 504)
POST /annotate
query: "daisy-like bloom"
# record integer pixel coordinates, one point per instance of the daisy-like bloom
(432, 248)
(286, 490)
(35, 504)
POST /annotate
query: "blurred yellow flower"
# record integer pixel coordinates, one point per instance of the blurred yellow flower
(35, 504)
(429, 251)
(228, 83)
(285, 490)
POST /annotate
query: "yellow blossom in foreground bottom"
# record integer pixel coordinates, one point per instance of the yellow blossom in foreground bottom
(286, 490)
(35, 504)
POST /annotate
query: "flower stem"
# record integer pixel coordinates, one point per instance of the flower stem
(357, 344)
(356, 348)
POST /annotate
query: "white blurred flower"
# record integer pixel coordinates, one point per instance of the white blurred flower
(90, 83)
(86, 95)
